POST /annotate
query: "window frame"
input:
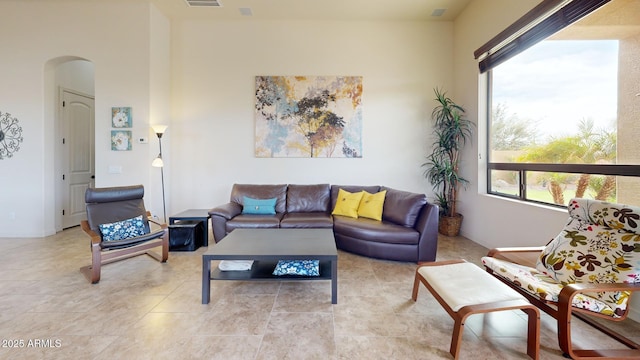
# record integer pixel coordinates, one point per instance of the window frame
(510, 43)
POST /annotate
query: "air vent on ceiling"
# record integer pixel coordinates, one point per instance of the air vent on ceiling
(438, 12)
(207, 3)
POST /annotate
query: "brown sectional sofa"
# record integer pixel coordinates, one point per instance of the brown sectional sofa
(408, 230)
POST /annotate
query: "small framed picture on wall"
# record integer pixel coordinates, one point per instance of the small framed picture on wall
(121, 140)
(121, 117)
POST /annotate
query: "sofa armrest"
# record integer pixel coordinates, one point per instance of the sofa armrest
(219, 217)
(427, 226)
(227, 211)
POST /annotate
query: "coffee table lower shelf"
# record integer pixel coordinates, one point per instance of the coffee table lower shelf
(262, 270)
(266, 247)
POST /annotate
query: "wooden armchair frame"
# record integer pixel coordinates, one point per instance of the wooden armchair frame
(101, 257)
(114, 204)
(562, 311)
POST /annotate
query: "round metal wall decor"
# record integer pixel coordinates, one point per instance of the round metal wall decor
(10, 135)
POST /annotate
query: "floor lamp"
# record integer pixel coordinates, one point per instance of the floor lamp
(157, 162)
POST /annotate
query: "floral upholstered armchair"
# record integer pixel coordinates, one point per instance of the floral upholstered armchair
(591, 267)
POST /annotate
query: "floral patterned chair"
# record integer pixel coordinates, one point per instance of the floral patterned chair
(590, 268)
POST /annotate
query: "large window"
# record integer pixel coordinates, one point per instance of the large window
(564, 117)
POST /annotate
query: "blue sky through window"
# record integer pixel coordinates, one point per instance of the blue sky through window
(556, 83)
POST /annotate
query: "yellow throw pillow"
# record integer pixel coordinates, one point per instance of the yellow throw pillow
(371, 205)
(347, 204)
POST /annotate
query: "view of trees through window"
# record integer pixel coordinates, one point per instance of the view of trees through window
(562, 102)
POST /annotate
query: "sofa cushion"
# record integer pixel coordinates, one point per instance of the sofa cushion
(259, 206)
(307, 220)
(258, 191)
(376, 231)
(402, 207)
(347, 203)
(308, 198)
(371, 205)
(253, 222)
(352, 189)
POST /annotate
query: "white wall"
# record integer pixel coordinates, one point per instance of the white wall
(214, 66)
(160, 107)
(141, 61)
(198, 78)
(115, 37)
(492, 221)
(76, 75)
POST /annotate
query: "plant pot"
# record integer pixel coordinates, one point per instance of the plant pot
(450, 225)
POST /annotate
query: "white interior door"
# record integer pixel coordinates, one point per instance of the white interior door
(78, 165)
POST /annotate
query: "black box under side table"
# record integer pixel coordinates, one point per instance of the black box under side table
(186, 235)
(194, 215)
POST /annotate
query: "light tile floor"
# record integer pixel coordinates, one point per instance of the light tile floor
(142, 309)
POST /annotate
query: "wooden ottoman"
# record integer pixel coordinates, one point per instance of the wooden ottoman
(464, 289)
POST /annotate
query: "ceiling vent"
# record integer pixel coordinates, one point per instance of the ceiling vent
(204, 3)
(438, 12)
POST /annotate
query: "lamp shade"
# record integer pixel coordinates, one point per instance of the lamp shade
(157, 162)
(159, 129)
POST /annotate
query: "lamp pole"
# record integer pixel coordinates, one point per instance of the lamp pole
(158, 162)
(164, 206)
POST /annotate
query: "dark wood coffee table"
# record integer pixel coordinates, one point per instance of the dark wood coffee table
(265, 247)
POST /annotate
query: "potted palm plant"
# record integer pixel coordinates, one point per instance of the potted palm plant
(451, 131)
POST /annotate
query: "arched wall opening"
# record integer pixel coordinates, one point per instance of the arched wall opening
(78, 75)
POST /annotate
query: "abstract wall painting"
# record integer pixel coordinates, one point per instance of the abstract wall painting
(308, 116)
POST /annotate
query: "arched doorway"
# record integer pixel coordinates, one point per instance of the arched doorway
(70, 104)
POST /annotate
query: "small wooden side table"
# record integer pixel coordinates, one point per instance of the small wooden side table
(194, 215)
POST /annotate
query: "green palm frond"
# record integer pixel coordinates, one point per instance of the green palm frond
(452, 131)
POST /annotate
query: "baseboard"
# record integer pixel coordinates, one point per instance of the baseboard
(26, 233)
